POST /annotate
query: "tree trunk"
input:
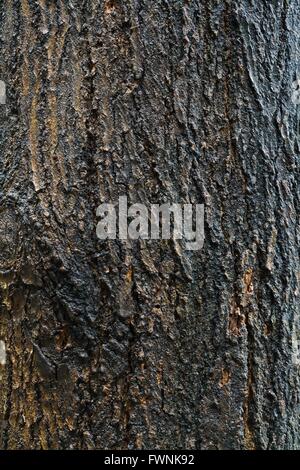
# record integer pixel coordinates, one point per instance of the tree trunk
(139, 344)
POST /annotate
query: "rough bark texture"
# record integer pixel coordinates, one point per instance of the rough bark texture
(141, 344)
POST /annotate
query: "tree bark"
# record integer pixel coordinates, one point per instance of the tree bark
(139, 344)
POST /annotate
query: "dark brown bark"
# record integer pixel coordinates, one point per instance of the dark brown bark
(138, 344)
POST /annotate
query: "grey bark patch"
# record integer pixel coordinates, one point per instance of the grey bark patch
(296, 92)
(8, 237)
(2, 92)
(2, 353)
